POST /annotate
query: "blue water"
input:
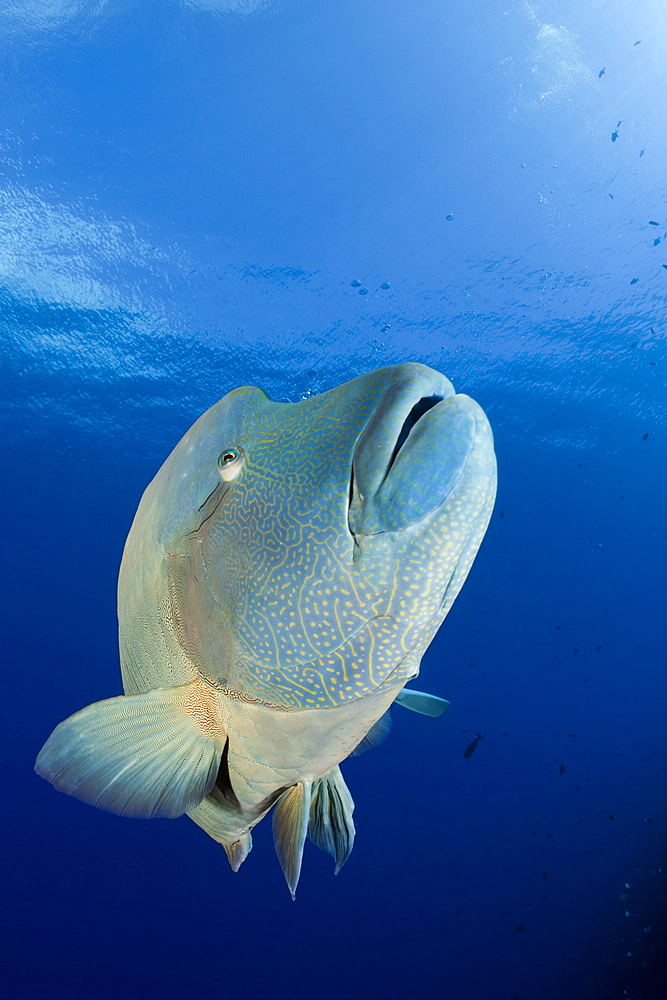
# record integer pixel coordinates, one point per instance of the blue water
(193, 194)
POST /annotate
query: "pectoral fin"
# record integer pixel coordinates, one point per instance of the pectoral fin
(143, 755)
(331, 826)
(290, 823)
(419, 701)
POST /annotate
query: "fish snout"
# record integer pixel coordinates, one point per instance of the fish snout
(413, 452)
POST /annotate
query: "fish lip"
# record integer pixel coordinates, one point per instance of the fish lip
(413, 468)
(388, 427)
(420, 408)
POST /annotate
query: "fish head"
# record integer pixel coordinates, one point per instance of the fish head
(309, 550)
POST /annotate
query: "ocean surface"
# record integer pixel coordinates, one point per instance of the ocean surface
(202, 194)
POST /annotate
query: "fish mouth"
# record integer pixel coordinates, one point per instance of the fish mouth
(411, 390)
(412, 452)
(421, 407)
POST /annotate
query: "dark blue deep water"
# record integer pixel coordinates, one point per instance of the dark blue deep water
(190, 191)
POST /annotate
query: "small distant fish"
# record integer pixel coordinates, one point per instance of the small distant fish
(470, 749)
(634, 281)
(645, 438)
(611, 196)
(656, 241)
(522, 927)
(561, 769)
(602, 72)
(652, 223)
(614, 134)
(638, 42)
(641, 152)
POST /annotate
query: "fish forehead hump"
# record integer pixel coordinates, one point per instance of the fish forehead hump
(271, 595)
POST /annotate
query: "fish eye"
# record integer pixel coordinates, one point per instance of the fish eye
(230, 462)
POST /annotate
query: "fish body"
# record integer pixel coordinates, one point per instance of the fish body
(285, 571)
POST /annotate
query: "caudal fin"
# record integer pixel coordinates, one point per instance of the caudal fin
(330, 825)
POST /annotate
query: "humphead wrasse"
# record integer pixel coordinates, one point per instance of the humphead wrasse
(285, 571)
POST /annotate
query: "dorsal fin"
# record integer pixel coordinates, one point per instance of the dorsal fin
(331, 826)
(375, 735)
(290, 823)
